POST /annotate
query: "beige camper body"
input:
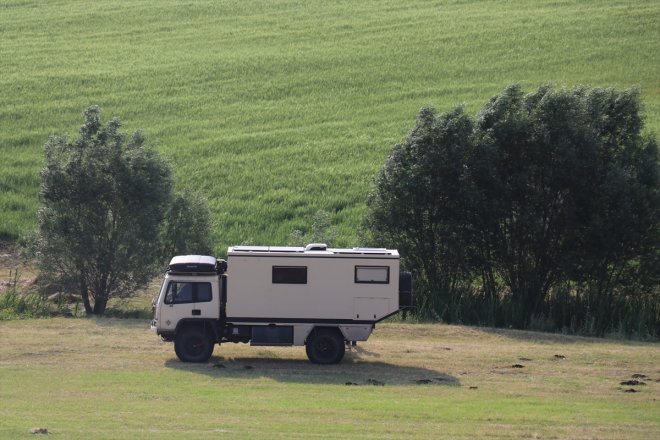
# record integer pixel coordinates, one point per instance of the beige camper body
(333, 284)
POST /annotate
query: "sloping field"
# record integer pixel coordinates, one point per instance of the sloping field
(101, 378)
(276, 109)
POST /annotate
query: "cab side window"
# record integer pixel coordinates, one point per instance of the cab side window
(181, 293)
(203, 292)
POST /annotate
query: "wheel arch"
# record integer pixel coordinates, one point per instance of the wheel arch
(333, 328)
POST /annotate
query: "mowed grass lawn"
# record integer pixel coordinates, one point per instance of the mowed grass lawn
(277, 109)
(105, 378)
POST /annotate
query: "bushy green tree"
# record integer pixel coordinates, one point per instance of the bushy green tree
(557, 188)
(105, 196)
(419, 205)
(187, 226)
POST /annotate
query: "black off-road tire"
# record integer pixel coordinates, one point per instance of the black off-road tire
(325, 346)
(193, 344)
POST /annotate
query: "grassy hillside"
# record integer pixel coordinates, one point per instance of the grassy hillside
(95, 379)
(276, 109)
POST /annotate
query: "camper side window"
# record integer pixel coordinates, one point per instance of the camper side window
(289, 275)
(372, 274)
(180, 293)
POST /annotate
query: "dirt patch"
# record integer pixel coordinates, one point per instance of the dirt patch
(22, 284)
(423, 381)
(369, 382)
(14, 269)
(633, 382)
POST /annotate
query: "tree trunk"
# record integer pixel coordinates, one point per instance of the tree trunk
(85, 297)
(99, 306)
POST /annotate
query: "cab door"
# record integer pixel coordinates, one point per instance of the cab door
(178, 304)
(187, 300)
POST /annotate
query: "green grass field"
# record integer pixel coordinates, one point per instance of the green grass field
(105, 378)
(276, 109)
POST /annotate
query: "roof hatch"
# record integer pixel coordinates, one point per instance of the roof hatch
(316, 247)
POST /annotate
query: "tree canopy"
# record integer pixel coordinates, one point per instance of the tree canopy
(542, 203)
(105, 196)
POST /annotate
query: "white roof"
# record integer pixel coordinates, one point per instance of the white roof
(193, 259)
(301, 251)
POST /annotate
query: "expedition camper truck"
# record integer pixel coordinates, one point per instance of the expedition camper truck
(314, 296)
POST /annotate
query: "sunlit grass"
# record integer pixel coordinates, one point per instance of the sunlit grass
(275, 110)
(107, 378)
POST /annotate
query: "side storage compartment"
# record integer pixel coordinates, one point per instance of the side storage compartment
(272, 335)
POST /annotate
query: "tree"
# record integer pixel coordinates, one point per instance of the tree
(418, 205)
(554, 188)
(187, 225)
(104, 197)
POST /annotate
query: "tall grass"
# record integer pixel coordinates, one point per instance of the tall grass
(623, 312)
(18, 304)
(278, 109)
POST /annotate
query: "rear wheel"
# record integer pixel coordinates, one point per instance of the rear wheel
(325, 346)
(193, 344)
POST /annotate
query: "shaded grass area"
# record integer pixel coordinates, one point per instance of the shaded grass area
(275, 110)
(106, 378)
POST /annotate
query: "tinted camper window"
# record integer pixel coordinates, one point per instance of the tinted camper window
(372, 274)
(289, 275)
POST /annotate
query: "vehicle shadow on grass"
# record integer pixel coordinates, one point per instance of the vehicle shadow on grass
(354, 370)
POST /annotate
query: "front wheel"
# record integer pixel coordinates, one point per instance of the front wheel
(325, 346)
(193, 344)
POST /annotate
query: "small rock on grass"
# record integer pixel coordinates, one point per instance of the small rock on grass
(375, 382)
(39, 431)
(630, 390)
(639, 376)
(517, 366)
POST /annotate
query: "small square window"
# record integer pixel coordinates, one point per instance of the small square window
(289, 275)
